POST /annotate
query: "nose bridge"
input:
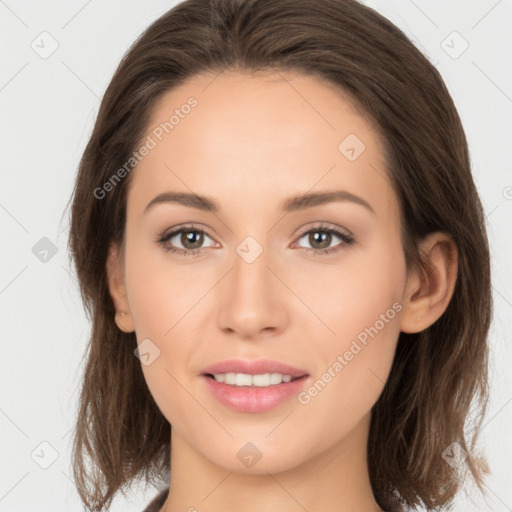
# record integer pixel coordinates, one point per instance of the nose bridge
(252, 300)
(250, 269)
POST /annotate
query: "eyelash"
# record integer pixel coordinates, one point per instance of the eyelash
(162, 239)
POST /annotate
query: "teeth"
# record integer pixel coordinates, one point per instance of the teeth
(244, 379)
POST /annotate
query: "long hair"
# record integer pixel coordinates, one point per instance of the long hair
(437, 375)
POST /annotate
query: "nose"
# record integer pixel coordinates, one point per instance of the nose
(253, 300)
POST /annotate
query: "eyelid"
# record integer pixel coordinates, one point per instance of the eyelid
(185, 227)
(321, 225)
(171, 232)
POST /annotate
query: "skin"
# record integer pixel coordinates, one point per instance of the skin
(250, 143)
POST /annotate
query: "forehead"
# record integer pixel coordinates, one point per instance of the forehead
(266, 136)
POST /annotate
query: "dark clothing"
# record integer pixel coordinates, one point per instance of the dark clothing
(158, 502)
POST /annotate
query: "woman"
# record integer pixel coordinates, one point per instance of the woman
(231, 363)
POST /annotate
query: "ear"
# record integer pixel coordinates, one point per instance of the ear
(428, 292)
(117, 288)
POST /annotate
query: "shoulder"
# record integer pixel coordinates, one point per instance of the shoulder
(157, 502)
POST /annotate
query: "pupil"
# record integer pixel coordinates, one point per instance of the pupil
(189, 237)
(313, 238)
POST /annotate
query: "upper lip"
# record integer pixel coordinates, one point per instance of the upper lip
(255, 367)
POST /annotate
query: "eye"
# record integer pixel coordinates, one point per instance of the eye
(190, 238)
(321, 238)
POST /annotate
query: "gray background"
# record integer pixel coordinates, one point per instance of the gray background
(48, 105)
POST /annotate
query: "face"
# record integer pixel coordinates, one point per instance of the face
(250, 273)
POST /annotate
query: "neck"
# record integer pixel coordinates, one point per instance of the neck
(336, 480)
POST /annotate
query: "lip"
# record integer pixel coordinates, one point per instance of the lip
(253, 367)
(253, 398)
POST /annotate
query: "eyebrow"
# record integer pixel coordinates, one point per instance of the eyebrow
(292, 204)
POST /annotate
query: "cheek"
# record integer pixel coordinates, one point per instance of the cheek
(169, 390)
(363, 313)
(364, 290)
(162, 299)
(160, 294)
(354, 366)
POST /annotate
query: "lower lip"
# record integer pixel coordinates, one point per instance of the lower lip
(254, 399)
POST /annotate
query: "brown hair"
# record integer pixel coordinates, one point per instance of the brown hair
(437, 374)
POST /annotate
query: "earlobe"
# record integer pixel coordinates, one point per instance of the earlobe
(115, 275)
(429, 292)
(124, 321)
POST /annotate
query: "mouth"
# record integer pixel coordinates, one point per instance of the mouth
(253, 386)
(258, 373)
(261, 380)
